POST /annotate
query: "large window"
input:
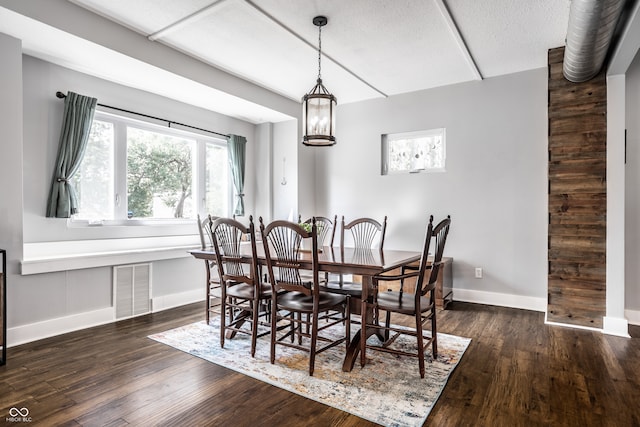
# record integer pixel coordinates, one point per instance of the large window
(134, 170)
(413, 152)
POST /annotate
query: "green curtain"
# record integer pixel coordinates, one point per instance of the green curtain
(76, 125)
(236, 148)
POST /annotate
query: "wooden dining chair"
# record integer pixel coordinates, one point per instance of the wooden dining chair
(297, 302)
(326, 229)
(419, 304)
(243, 292)
(213, 278)
(365, 234)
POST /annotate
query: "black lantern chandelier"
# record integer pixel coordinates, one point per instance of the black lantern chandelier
(319, 106)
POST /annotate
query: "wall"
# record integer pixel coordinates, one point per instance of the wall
(494, 187)
(285, 146)
(11, 164)
(632, 196)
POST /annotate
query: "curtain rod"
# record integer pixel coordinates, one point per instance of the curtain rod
(169, 122)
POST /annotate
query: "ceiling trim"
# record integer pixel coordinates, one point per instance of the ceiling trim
(183, 21)
(455, 32)
(299, 37)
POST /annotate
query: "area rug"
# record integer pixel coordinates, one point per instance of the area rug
(387, 391)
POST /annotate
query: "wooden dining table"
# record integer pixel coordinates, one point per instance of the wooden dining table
(366, 263)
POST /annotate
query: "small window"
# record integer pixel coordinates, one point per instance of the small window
(413, 152)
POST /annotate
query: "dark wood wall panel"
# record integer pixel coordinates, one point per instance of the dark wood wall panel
(577, 197)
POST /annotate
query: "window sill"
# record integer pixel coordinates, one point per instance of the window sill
(47, 257)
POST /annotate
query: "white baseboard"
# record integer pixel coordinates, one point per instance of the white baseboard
(166, 302)
(633, 316)
(615, 326)
(52, 327)
(502, 300)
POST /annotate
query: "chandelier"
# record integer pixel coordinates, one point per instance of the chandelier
(319, 106)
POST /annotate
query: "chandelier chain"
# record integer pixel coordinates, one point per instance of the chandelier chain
(319, 50)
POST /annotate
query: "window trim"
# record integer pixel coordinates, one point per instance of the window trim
(386, 138)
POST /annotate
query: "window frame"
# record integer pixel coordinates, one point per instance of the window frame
(120, 123)
(390, 137)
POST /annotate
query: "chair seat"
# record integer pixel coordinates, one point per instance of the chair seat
(344, 288)
(245, 291)
(297, 301)
(392, 301)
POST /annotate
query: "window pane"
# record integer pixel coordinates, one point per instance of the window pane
(216, 180)
(94, 180)
(159, 175)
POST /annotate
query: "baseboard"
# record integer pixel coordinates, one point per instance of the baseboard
(615, 326)
(166, 302)
(61, 325)
(633, 317)
(502, 300)
(52, 327)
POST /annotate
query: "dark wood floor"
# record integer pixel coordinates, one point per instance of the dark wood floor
(516, 372)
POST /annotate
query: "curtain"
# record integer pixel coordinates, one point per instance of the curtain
(236, 148)
(76, 125)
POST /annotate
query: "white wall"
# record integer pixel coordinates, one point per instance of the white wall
(285, 146)
(494, 187)
(11, 165)
(632, 178)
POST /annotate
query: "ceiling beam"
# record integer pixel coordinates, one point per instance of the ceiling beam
(455, 32)
(299, 37)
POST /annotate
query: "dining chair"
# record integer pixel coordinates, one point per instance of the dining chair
(365, 234)
(419, 304)
(326, 228)
(244, 294)
(213, 277)
(296, 301)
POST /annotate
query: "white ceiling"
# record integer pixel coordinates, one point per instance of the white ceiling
(371, 48)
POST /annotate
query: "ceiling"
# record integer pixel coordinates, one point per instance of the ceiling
(371, 48)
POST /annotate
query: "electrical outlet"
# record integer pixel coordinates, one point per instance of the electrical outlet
(478, 272)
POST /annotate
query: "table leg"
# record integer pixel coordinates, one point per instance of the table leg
(238, 321)
(366, 317)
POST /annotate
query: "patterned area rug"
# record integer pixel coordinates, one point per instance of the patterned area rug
(387, 391)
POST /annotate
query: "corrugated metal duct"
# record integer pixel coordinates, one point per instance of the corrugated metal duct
(591, 27)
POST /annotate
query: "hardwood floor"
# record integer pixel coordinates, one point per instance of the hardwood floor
(516, 372)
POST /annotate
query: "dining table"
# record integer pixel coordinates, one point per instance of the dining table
(365, 263)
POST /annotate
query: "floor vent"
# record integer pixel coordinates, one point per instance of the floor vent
(132, 290)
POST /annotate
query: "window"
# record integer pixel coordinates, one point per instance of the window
(413, 152)
(134, 170)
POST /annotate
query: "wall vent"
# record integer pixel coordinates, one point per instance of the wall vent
(132, 290)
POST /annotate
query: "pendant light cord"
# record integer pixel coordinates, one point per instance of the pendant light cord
(319, 50)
